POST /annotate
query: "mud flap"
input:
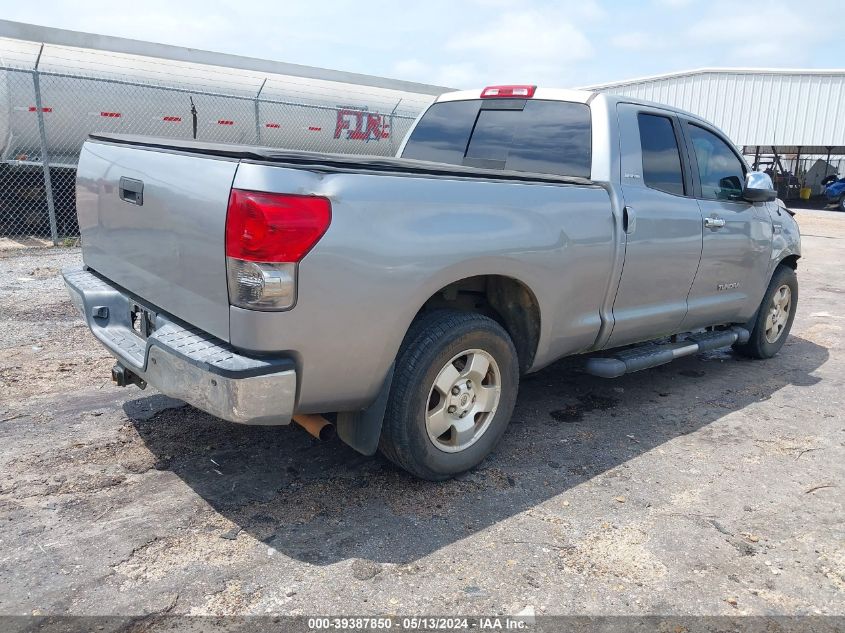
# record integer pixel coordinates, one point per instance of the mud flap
(361, 429)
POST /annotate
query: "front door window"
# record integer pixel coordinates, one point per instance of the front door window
(719, 169)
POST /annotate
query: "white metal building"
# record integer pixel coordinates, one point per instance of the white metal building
(786, 119)
(755, 106)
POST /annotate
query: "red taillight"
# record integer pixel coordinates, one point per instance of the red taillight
(516, 92)
(272, 227)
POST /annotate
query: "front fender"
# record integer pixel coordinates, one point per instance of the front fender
(786, 235)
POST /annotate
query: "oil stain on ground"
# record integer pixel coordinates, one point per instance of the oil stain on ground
(586, 403)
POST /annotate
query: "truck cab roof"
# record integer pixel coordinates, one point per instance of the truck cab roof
(549, 94)
(570, 95)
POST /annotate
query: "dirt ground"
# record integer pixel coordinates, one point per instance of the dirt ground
(709, 486)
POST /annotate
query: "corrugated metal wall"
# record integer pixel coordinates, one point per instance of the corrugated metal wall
(754, 107)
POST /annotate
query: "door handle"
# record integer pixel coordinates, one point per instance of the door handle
(713, 223)
(629, 220)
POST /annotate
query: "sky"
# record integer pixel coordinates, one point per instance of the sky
(470, 43)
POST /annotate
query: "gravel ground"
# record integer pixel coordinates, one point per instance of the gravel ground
(710, 486)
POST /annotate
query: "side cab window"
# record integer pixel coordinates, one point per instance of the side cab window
(721, 173)
(661, 155)
(653, 150)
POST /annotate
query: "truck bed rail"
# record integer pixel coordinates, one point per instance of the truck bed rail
(315, 161)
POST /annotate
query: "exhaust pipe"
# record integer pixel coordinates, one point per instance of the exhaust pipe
(316, 425)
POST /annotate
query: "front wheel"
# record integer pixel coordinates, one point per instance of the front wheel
(775, 316)
(453, 393)
(841, 205)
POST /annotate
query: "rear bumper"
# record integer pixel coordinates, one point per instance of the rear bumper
(184, 362)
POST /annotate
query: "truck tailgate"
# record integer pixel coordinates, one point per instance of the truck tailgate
(154, 222)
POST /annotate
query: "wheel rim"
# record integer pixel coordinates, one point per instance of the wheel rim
(463, 400)
(778, 313)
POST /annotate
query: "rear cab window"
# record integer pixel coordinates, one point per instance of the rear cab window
(538, 136)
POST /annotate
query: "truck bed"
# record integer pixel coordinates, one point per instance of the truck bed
(400, 231)
(317, 161)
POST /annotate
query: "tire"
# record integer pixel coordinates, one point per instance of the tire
(417, 408)
(841, 205)
(771, 326)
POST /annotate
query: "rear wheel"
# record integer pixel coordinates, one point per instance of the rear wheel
(453, 393)
(775, 316)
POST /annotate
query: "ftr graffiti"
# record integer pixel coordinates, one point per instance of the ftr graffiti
(361, 126)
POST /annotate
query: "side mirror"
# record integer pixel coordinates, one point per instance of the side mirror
(758, 187)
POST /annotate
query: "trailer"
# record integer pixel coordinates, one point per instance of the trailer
(53, 95)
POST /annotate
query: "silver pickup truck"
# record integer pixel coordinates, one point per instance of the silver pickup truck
(402, 298)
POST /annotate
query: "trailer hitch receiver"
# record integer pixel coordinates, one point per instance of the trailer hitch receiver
(124, 377)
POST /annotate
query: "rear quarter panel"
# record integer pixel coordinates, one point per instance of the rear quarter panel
(394, 241)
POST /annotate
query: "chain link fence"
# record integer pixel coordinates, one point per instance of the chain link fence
(46, 115)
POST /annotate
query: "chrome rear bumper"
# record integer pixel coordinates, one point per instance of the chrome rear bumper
(184, 362)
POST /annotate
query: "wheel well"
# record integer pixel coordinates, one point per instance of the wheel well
(791, 261)
(503, 299)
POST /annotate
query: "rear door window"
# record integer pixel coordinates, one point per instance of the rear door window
(548, 137)
(661, 156)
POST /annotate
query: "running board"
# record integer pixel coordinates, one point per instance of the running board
(649, 355)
